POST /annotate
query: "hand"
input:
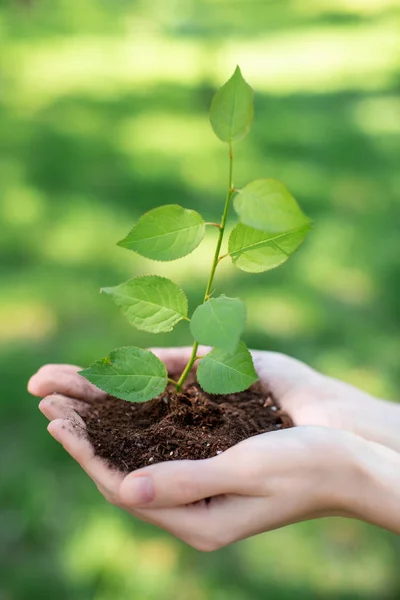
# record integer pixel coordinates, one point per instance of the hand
(260, 484)
(311, 398)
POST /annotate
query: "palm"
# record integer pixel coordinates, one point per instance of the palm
(308, 397)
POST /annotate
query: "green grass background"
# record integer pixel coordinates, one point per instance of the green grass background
(103, 114)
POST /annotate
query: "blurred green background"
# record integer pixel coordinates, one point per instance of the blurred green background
(103, 114)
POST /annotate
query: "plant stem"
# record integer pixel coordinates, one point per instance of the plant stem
(188, 367)
(214, 225)
(207, 294)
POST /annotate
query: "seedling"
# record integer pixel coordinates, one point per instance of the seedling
(271, 227)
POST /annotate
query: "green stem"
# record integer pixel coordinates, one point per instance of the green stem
(188, 367)
(221, 232)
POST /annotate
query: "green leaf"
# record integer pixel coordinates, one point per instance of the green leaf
(266, 204)
(219, 322)
(256, 251)
(150, 303)
(232, 110)
(129, 373)
(221, 372)
(166, 233)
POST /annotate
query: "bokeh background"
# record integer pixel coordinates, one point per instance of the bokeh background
(103, 114)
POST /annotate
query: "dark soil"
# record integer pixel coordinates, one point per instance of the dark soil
(188, 425)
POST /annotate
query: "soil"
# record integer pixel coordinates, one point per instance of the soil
(187, 425)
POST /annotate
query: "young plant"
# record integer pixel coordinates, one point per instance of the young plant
(271, 227)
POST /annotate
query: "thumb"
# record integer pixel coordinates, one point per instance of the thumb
(177, 483)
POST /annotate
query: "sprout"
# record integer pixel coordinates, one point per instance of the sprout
(271, 227)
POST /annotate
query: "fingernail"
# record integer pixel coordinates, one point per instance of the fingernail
(32, 387)
(140, 489)
(53, 430)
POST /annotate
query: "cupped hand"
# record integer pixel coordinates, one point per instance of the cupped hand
(312, 398)
(262, 483)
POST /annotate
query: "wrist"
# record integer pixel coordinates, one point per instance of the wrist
(379, 421)
(345, 476)
(374, 493)
(340, 473)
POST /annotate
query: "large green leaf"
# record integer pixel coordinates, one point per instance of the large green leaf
(221, 372)
(232, 110)
(150, 303)
(267, 204)
(255, 251)
(166, 233)
(129, 373)
(219, 322)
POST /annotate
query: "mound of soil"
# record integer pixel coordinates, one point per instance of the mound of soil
(187, 425)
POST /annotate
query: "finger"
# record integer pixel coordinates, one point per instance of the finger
(74, 440)
(62, 407)
(283, 374)
(176, 358)
(227, 519)
(212, 525)
(63, 379)
(178, 482)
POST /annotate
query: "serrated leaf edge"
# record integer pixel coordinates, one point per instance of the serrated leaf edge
(307, 227)
(126, 247)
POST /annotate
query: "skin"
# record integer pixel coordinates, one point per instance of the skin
(268, 481)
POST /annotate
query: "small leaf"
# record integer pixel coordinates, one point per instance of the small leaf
(129, 373)
(221, 372)
(166, 233)
(256, 251)
(267, 205)
(232, 110)
(150, 303)
(219, 322)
